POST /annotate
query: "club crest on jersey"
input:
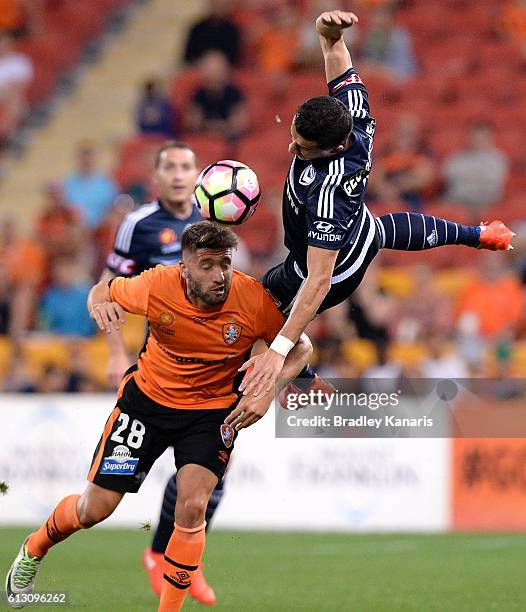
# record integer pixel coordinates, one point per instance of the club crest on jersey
(166, 318)
(167, 236)
(231, 333)
(227, 434)
(308, 175)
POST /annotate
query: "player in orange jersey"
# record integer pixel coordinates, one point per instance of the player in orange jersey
(204, 319)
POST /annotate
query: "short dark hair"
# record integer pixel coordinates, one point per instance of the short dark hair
(324, 120)
(208, 235)
(172, 144)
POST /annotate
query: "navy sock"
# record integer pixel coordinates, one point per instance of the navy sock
(304, 379)
(408, 231)
(165, 527)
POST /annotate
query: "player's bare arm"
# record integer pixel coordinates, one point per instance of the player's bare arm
(268, 366)
(119, 360)
(108, 315)
(250, 409)
(330, 26)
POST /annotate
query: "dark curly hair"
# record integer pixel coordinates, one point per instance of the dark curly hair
(208, 235)
(324, 120)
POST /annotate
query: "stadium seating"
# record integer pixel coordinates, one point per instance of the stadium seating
(68, 27)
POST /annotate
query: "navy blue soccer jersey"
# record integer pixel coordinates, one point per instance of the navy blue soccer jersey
(148, 236)
(324, 199)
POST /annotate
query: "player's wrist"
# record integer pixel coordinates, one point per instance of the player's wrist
(282, 345)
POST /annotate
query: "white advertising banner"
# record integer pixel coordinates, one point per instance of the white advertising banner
(47, 442)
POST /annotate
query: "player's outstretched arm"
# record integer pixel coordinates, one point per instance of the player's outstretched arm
(268, 366)
(250, 409)
(330, 26)
(108, 315)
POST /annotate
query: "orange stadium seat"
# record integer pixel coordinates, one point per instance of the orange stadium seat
(182, 86)
(408, 354)
(47, 350)
(210, 149)
(360, 353)
(6, 351)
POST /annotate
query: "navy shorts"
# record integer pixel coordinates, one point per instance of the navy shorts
(285, 280)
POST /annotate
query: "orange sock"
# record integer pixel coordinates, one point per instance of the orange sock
(63, 521)
(181, 559)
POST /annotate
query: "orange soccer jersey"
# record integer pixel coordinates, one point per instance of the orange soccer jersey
(192, 354)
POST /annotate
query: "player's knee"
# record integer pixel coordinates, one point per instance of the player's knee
(306, 348)
(191, 511)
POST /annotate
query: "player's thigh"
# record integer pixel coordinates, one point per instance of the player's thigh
(204, 440)
(346, 282)
(283, 285)
(129, 446)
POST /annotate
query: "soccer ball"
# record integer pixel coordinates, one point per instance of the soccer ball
(227, 192)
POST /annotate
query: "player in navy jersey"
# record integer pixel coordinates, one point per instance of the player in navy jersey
(149, 236)
(331, 235)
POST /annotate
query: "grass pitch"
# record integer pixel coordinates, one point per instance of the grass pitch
(275, 572)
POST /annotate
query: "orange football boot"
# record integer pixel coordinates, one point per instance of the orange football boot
(200, 590)
(317, 384)
(495, 236)
(153, 564)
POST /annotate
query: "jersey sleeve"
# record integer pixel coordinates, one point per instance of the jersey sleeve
(124, 260)
(269, 319)
(332, 206)
(349, 89)
(133, 294)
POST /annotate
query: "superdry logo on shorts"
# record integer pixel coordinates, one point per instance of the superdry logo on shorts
(121, 463)
(227, 435)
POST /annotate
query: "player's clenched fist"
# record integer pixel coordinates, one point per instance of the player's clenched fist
(109, 316)
(331, 23)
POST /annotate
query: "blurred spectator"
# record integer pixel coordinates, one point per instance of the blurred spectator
(372, 310)
(104, 236)
(87, 189)
(54, 379)
(19, 377)
(215, 32)
(427, 310)
(5, 302)
(476, 176)
(443, 361)
(16, 73)
(63, 308)
(384, 376)
(155, 114)
(217, 106)
(21, 17)
(276, 42)
(387, 47)
(514, 23)
(24, 260)
(493, 302)
(405, 171)
(59, 226)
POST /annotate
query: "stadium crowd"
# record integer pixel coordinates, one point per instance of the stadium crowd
(449, 142)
